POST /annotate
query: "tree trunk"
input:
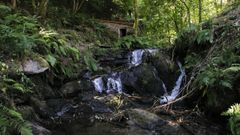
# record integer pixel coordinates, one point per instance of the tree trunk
(14, 4)
(188, 12)
(136, 17)
(43, 8)
(77, 4)
(199, 11)
(34, 6)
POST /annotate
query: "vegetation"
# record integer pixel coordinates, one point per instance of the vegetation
(64, 33)
(234, 113)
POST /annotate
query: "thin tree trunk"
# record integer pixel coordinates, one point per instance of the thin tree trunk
(199, 11)
(34, 6)
(14, 4)
(136, 17)
(77, 4)
(43, 8)
(188, 12)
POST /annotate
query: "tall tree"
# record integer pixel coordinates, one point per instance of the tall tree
(14, 4)
(136, 17)
(199, 11)
(77, 4)
(43, 8)
(188, 11)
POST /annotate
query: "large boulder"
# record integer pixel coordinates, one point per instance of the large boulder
(143, 80)
(35, 65)
(39, 130)
(144, 119)
(28, 65)
(75, 87)
(166, 69)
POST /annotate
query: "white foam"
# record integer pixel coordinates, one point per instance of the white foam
(176, 90)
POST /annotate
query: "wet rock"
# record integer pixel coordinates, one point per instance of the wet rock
(166, 69)
(70, 114)
(144, 80)
(39, 130)
(172, 129)
(27, 112)
(42, 89)
(35, 65)
(75, 87)
(99, 107)
(219, 100)
(144, 119)
(41, 108)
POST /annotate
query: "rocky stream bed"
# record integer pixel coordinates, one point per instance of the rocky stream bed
(120, 101)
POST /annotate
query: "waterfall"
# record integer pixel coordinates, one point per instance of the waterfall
(98, 84)
(176, 89)
(135, 57)
(113, 83)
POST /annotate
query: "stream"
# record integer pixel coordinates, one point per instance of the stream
(113, 82)
(119, 101)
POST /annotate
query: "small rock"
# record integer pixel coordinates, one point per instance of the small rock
(144, 119)
(35, 66)
(39, 130)
(75, 87)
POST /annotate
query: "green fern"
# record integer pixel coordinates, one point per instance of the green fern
(12, 121)
(234, 120)
(204, 36)
(90, 62)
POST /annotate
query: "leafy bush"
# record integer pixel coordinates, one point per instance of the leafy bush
(234, 120)
(12, 121)
(58, 52)
(130, 42)
(18, 33)
(90, 62)
(4, 10)
(204, 36)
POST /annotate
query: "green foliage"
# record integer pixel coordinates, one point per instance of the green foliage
(23, 85)
(191, 60)
(51, 59)
(130, 42)
(213, 77)
(4, 10)
(90, 62)
(221, 72)
(204, 36)
(17, 34)
(58, 52)
(234, 120)
(12, 121)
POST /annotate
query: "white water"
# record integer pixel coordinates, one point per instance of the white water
(113, 84)
(176, 89)
(98, 84)
(135, 58)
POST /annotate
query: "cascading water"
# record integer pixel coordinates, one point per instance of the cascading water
(113, 83)
(135, 58)
(176, 89)
(98, 84)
